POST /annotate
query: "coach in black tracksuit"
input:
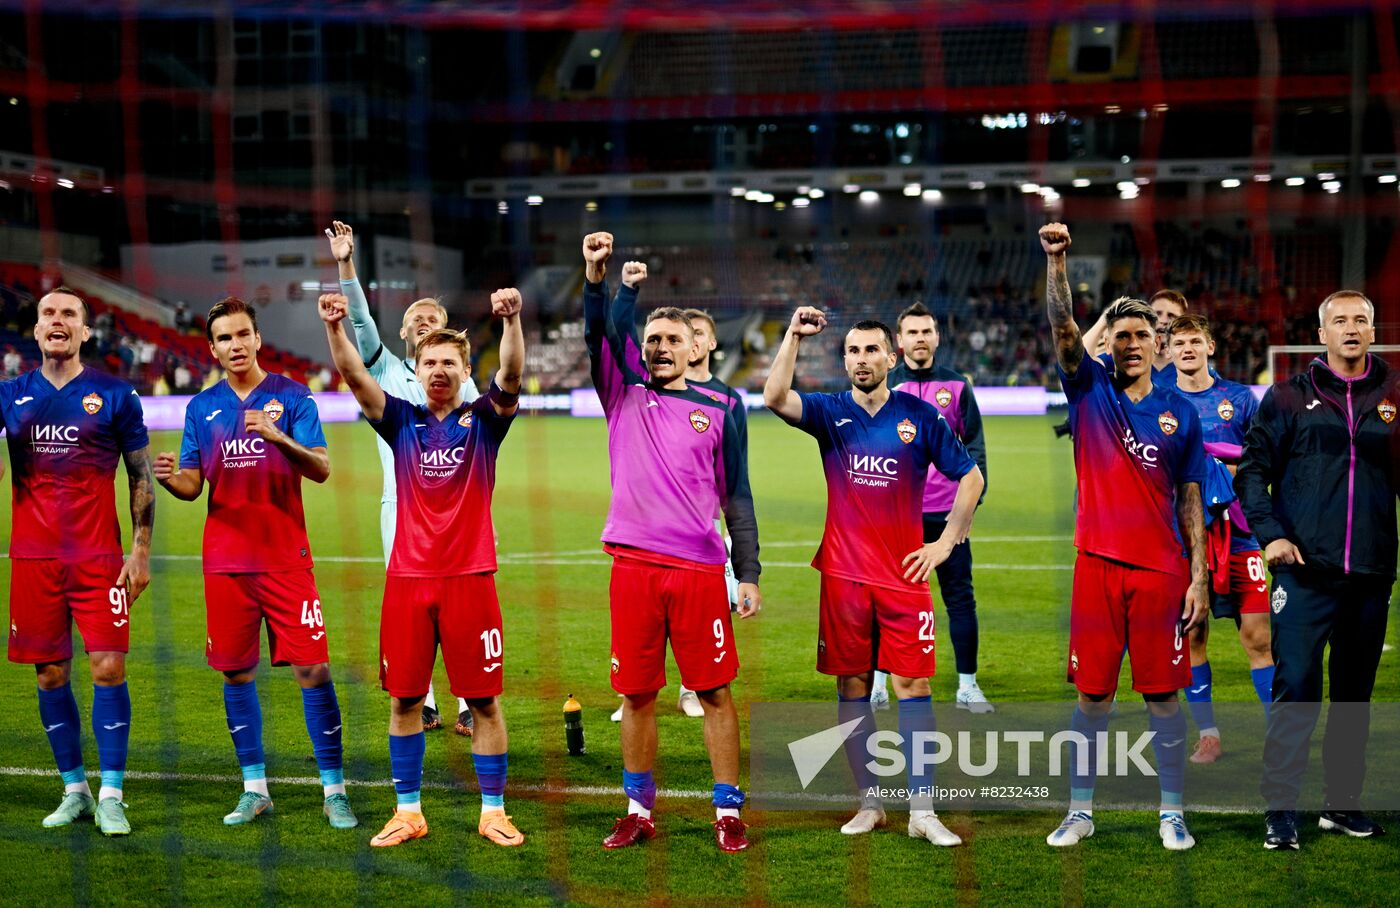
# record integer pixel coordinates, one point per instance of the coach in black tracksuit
(1318, 485)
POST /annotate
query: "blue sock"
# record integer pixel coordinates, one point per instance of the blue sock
(58, 710)
(1198, 695)
(322, 713)
(111, 726)
(854, 745)
(916, 725)
(245, 726)
(1263, 679)
(1168, 743)
(1081, 784)
(406, 763)
(640, 788)
(491, 776)
(727, 799)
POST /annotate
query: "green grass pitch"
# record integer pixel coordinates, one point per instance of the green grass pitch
(551, 498)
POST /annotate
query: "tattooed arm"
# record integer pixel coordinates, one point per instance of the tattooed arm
(1190, 517)
(136, 571)
(1059, 307)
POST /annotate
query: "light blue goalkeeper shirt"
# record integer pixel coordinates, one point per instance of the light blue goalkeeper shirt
(394, 374)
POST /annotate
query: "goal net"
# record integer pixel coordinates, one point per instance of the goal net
(1287, 360)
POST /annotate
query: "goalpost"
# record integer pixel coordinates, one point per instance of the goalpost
(1287, 360)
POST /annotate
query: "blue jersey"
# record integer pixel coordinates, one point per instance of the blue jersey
(64, 446)
(876, 467)
(1226, 410)
(256, 523)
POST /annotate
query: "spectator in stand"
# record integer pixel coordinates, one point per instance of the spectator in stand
(126, 352)
(183, 320)
(184, 379)
(13, 361)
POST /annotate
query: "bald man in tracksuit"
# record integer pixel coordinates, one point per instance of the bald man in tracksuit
(1318, 482)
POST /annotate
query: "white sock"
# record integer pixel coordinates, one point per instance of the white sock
(1211, 732)
(638, 809)
(79, 787)
(337, 789)
(430, 701)
(877, 681)
(258, 785)
(410, 806)
(106, 791)
(965, 680)
(685, 690)
(722, 812)
(461, 706)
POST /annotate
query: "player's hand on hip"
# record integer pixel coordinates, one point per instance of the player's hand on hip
(1054, 238)
(750, 600)
(506, 303)
(807, 321)
(633, 273)
(1282, 551)
(256, 422)
(920, 563)
(332, 307)
(166, 466)
(1196, 607)
(342, 240)
(135, 575)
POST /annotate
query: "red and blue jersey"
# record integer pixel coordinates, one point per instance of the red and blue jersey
(1130, 458)
(876, 468)
(951, 393)
(64, 447)
(256, 524)
(1226, 409)
(445, 473)
(677, 455)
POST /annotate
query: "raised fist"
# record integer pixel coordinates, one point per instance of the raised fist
(332, 307)
(633, 273)
(165, 466)
(1054, 238)
(597, 248)
(506, 303)
(342, 240)
(807, 321)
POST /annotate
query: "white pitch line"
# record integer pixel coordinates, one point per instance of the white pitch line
(146, 776)
(580, 790)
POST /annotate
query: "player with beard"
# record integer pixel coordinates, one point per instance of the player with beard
(877, 449)
(675, 461)
(1139, 462)
(951, 393)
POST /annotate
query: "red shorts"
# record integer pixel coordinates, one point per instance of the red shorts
(462, 613)
(864, 627)
(48, 595)
(651, 603)
(1117, 607)
(235, 606)
(1249, 584)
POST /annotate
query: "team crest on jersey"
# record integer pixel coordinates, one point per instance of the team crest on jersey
(699, 420)
(273, 409)
(907, 431)
(1387, 411)
(1278, 600)
(616, 666)
(465, 421)
(1226, 410)
(92, 403)
(1073, 661)
(1168, 422)
(943, 397)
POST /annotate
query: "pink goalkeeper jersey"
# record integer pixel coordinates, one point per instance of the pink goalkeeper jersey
(676, 456)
